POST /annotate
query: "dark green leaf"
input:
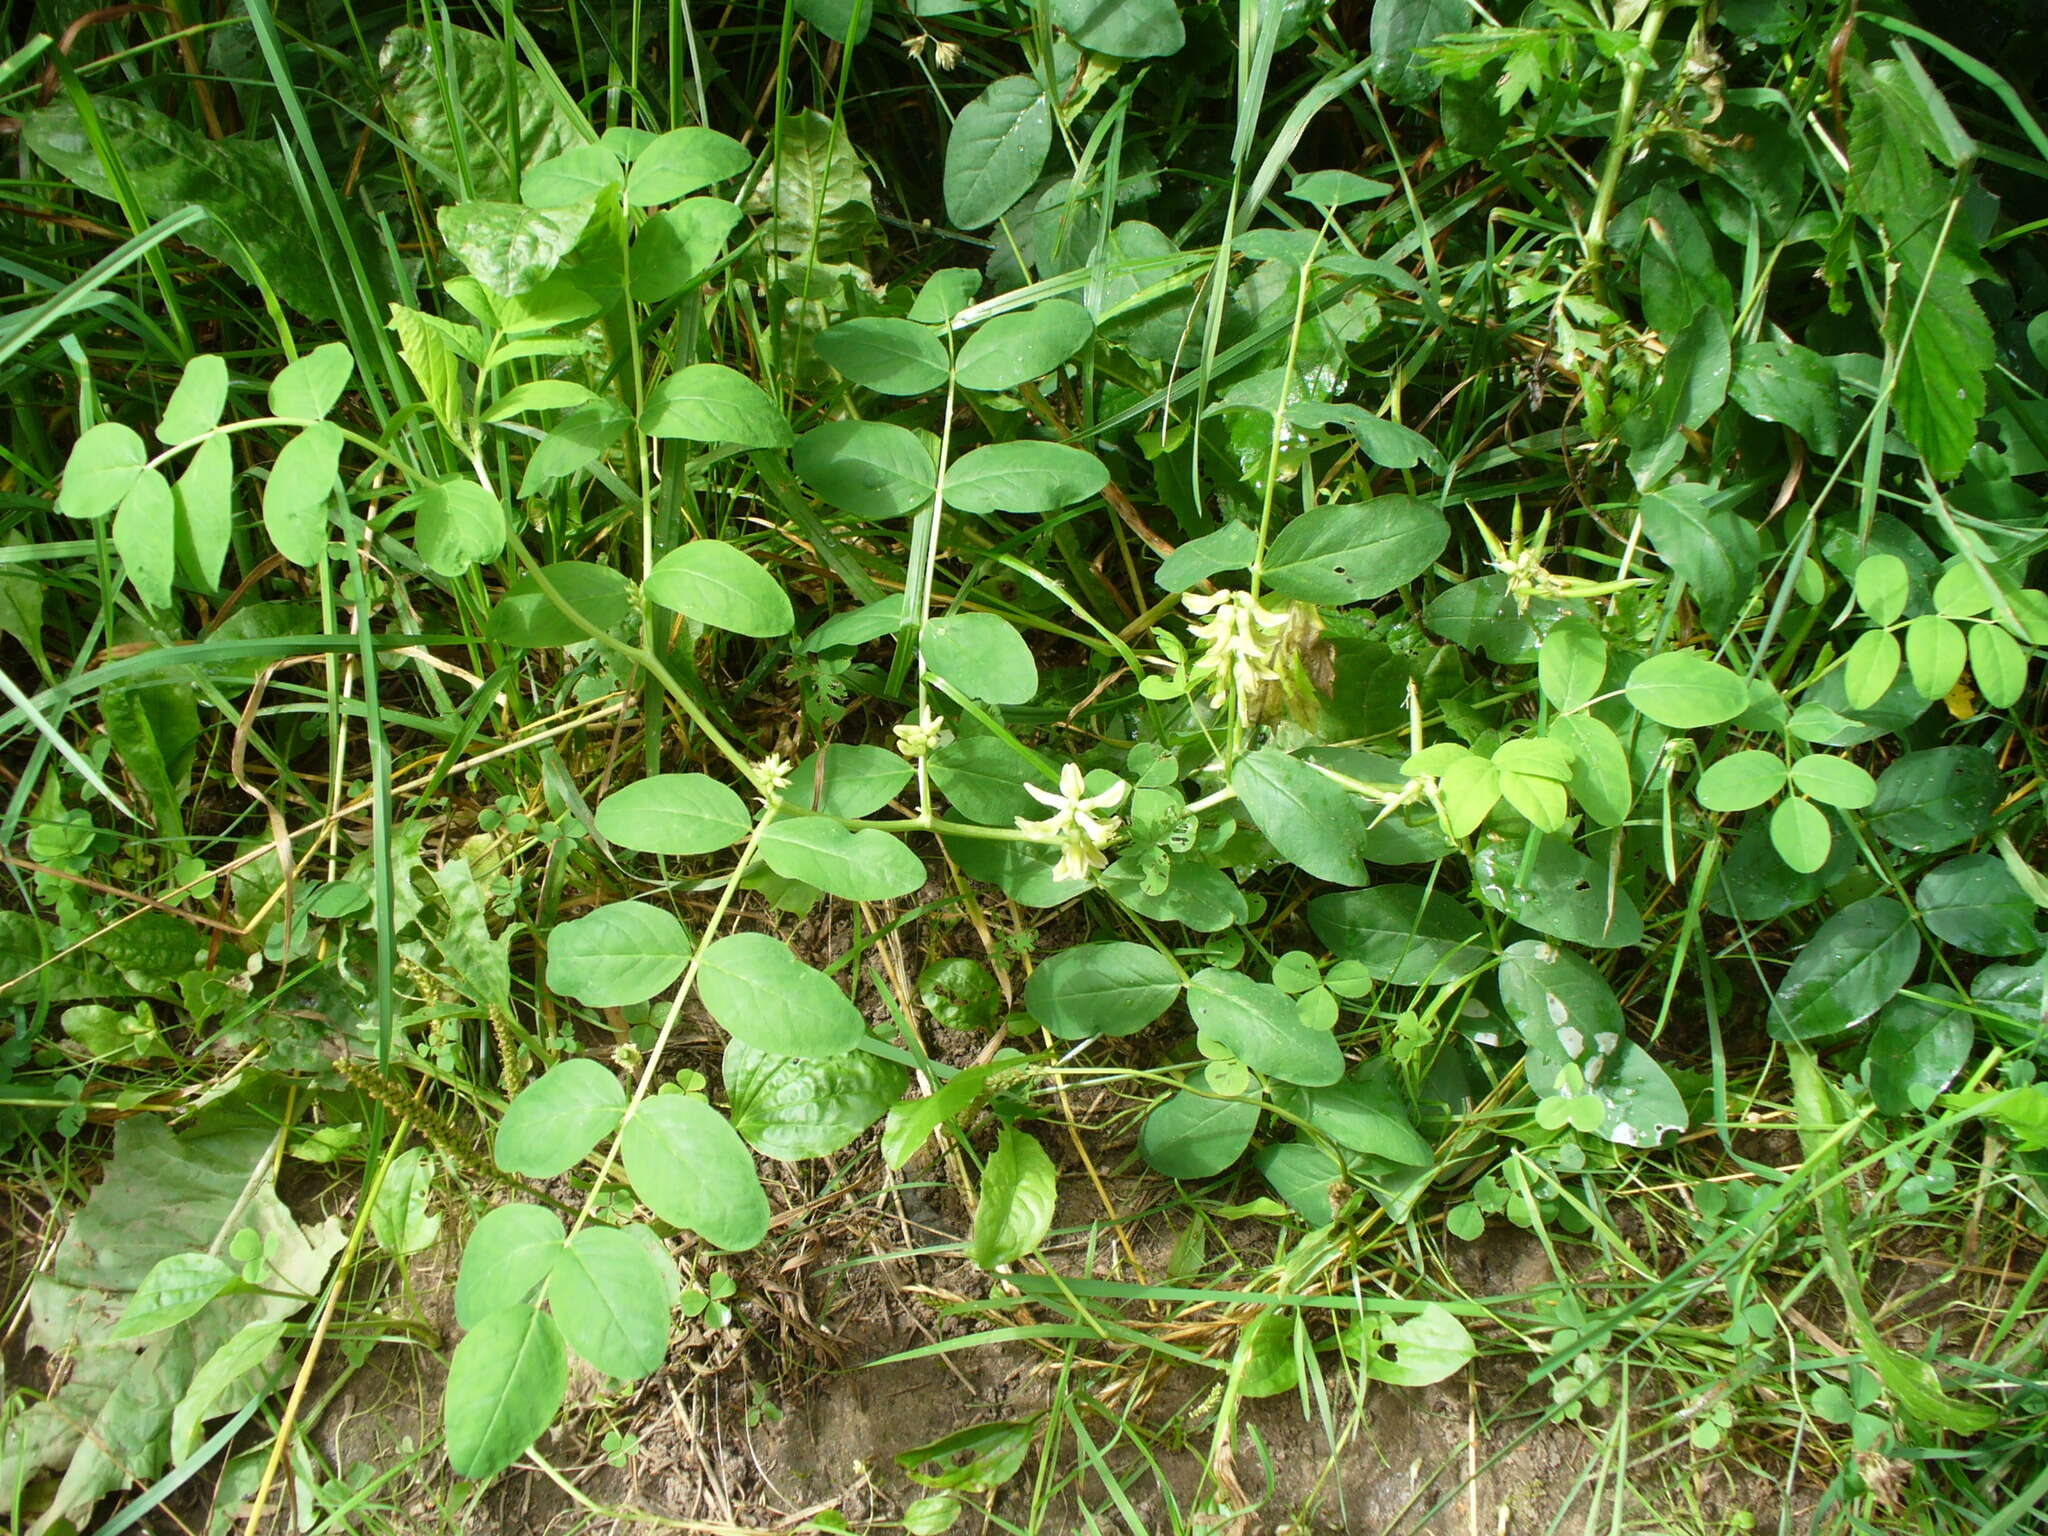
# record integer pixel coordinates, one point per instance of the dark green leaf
(1351, 552)
(1196, 1136)
(993, 155)
(1311, 821)
(1854, 964)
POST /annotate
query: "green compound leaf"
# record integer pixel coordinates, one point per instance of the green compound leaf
(683, 161)
(146, 537)
(689, 1166)
(1260, 1026)
(791, 1109)
(714, 583)
(1741, 781)
(711, 403)
(868, 468)
(609, 1291)
(1352, 552)
(756, 987)
(458, 525)
(846, 779)
(983, 656)
(196, 404)
(101, 469)
(1025, 476)
(1314, 824)
(676, 814)
(527, 618)
(1854, 964)
(997, 146)
(296, 494)
(505, 1385)
(887, 355)
(619, 955)
(1018, 1189)
(865, 865)
(508, 1257)
(558, 1119)
(1113, 988)
(1196, 1135)
(1684, 691)
(1023, 345)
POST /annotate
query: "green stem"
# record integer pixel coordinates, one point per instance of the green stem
(1618, 139)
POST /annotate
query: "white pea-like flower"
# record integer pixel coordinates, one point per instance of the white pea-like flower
(1243, 645)
(922, 736)
(1081, 834)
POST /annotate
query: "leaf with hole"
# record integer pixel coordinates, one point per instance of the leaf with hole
(622, 953)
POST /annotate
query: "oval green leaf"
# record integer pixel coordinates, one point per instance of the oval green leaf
(619, 955)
